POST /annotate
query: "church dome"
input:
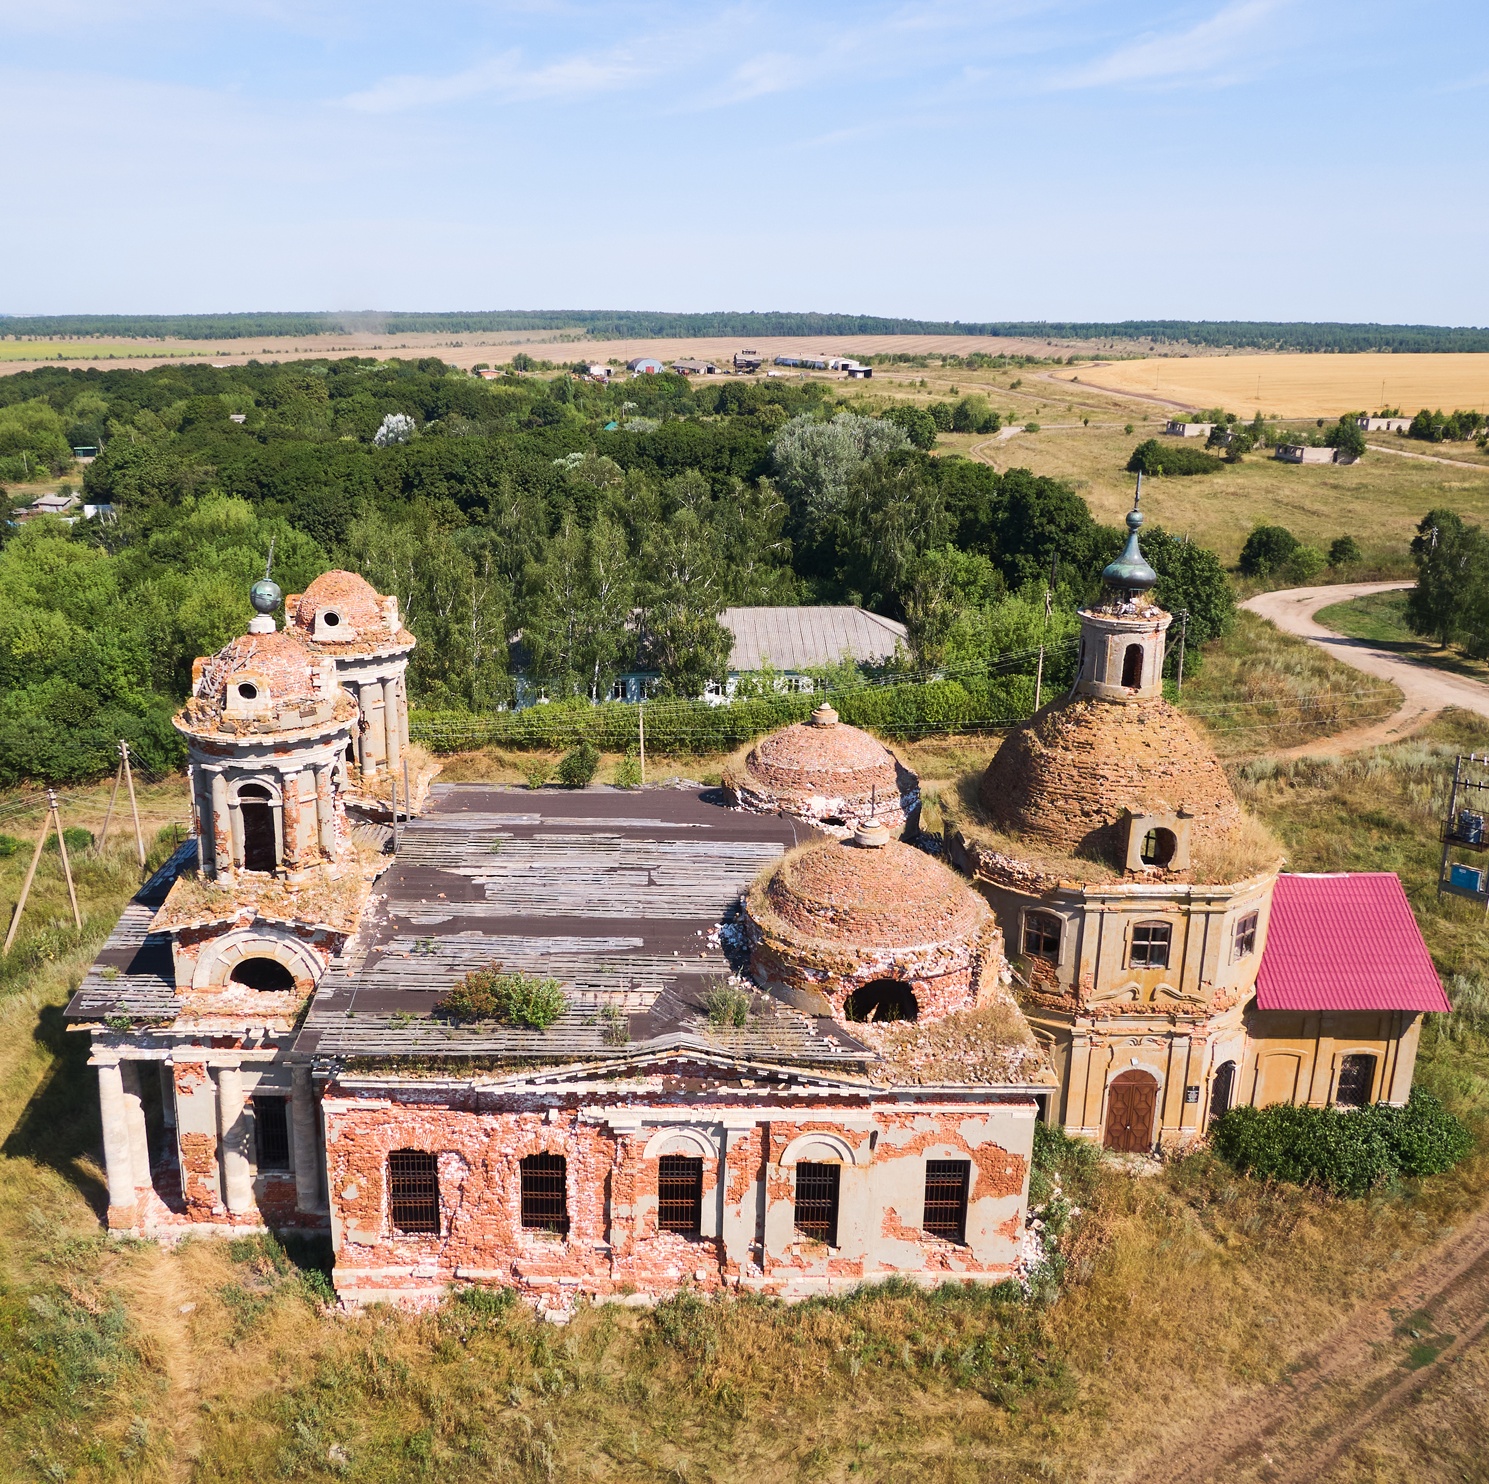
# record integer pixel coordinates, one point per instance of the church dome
(274, 661)
(263, 682)
(343, 612)
(829, 774)
(1067, 779)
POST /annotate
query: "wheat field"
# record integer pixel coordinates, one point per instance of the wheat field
(1299, 385)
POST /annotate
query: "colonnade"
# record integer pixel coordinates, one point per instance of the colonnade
(382, 735)
(304, 815)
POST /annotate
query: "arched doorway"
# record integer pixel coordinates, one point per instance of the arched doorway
(1222, 1089)
(256, 803)
(263, 974)
(882, 1000)
(1132, 667)
(1131, 1102)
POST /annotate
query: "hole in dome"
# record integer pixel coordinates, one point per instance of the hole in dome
(882, 1000)
(265, 974)
(836, 820)
(248, 690)
(330, 618)
(1158, 847)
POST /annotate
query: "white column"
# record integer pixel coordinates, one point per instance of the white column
(134, 1119)
(118, 1155)
(403, 709)
(233, 1132)
(292, 840)
(222, 827)
(325, 811)
(390, 723)
(307, 1145)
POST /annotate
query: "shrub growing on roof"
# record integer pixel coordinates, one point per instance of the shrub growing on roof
(1344, 1150)
(509, 999)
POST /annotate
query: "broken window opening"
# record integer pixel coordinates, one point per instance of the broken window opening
(946, 1199)
(271, 1133)
(267, 975)
(882, 1000)
(1150, 945)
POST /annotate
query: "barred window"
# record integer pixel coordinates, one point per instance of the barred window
(680, 1194)
(413, 1190)
(817, 1202)
(1244, 942)
(1042, 936)
(946, 1198)
(545, 1195)
(1150, 943)
(271, 1133)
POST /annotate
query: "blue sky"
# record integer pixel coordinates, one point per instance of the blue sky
(1295, 159)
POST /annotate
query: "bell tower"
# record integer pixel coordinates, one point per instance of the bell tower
(1122, 634)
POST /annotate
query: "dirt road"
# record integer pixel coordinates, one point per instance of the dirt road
(1425, 691)
(1427, 458)
(1374, 1364)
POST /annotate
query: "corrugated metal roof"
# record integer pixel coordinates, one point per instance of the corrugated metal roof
(802, 638)
(1345, 942)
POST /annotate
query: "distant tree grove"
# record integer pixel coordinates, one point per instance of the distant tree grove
(555, 526)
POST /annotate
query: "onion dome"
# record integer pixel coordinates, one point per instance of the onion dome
(830, 775)
(1130, 573)
(344, 612)
(263, 682)
(1070, 778)
(831, 921)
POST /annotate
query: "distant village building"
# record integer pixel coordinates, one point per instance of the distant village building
(1179, 429)
(806, 363)
(791, 642)
(644, 366)
(1384, 424)
(747, 360)
(695, 368)
(1302, 453)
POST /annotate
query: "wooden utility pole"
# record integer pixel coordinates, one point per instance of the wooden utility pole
(134, 808)
(108, 815)
(1179, 666)
(15, 921)
(641, 735)
(72, 896)
(393, 783)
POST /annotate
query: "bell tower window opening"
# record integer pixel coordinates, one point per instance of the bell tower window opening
(267, 975)
(260, 852)
(1042, 936)
(946, 1199)
(1356, 1077)
(545, 1194)
(1159, 846)
(1150, 945)
(413, 1191)
(882, 1000)
(817, 1202)
(271, 1133)
(1132, 667)
(680, 1194)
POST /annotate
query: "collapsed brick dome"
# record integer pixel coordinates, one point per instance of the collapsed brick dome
(1065, 778)
(833, 918)
(832, 775)
(349, 594)
(276, 658)
(263, 682)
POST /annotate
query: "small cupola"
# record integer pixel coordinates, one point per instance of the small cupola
(1123, 635)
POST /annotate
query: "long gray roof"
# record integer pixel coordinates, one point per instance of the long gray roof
(803, 638)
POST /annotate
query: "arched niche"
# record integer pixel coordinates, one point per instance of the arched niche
(815, 1148)
(689, 1141)
(221, 956)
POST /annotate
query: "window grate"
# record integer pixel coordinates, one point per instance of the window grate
(271, 1133)
(946, 1199)
(1150, 942)
(545, 1195)
(413, 1190)
(1356, 1075)
(817, 1202)
(680, 1194)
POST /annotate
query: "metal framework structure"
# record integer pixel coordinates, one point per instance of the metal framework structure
(1464, 832)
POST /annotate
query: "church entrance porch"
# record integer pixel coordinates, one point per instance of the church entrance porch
(1132, 1101)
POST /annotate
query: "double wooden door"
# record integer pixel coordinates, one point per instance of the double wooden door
(1131, 1103)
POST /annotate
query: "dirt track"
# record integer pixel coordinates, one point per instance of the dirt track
(1425, 691)
(1375, 1363)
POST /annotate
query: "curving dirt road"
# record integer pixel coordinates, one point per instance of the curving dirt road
(1425, 691)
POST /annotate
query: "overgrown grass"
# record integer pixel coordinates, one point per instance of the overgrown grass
(1381, 618)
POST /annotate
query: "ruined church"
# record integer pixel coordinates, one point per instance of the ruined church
(798, 1049)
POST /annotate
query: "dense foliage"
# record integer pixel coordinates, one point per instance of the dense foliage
(1164, 456)
(642, 324)
(1450, 602)
(493, 994)
(566, 529)
(1345, 1150)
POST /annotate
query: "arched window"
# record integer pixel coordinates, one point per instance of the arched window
(1356, 1078)
(1158, 847)
(1042, 936)
(266, 974)
(881, 1000)
(816, 1213)
(680, 1194)
(1132, 667)
(259, 852)
(1222, 1089)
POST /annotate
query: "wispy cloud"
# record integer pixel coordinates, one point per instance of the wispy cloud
(1201, 51)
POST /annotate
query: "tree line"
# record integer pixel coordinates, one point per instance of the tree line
(553, 526)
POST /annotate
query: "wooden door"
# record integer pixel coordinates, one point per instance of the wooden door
(1132, 1100)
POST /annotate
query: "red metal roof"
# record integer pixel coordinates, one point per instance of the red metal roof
(1345, 942)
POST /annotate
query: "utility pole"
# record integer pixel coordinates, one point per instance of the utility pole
(641, 733)
(1179, 667)
(109, 812)
(72, 896)
(15, 920)
(134, 808)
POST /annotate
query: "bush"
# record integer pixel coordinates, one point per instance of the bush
(509, 999)
(1153, 457)
(1031, 427)
(1344, 551)
(537, 771)
(1347, 437)
(726, 1004)
(8, 845)
(78, 839)
(1304, 564)
(628, 772)
(578, 766)
(1346, 1151)
(1267, 548)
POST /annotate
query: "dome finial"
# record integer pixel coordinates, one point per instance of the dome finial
(1131, 571)
(265, 597)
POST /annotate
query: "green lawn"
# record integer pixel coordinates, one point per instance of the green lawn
(1381, 618)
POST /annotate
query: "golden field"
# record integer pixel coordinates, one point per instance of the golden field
(1300, 385)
